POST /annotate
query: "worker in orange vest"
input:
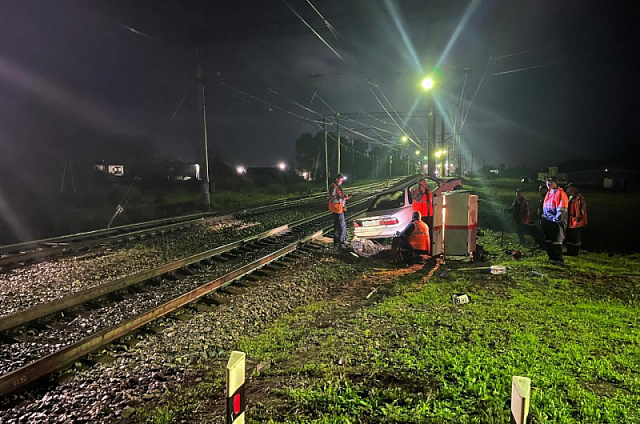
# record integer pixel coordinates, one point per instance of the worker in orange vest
(422, 201)
(577, 219)
(413, 241)
(337, 207)
(554, 220)
(521, 215)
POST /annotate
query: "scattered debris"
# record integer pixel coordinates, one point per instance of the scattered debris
(498, 269)
(365, 247)
(445, 272)
(537, 274)
(372, 292)
(516, 255)
(460, 298)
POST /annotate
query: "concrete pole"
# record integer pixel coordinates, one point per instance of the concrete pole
(338, 125)
(206, 196)
(326, 153)
(431, 135)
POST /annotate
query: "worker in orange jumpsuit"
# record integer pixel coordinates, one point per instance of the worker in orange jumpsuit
(413, 241)
(554, 220)
(577, 219)
(422, 201)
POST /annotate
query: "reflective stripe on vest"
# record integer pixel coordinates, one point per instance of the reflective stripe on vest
(336, 203)
(555, 202)
(422, 202)
(419, 237)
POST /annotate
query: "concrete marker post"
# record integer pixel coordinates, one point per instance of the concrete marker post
(520, 398)
(236, 397)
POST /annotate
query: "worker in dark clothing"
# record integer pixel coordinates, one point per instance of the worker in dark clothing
(542, 190)
(413, 241)
(337, 207)
(554, 220)
(521, 215)
(577, 219)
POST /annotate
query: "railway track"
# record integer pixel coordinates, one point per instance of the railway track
(46, 338)
(20, 254)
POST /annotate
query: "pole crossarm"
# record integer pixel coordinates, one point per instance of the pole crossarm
(381, 115)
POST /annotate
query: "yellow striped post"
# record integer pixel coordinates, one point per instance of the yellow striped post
(236, 399)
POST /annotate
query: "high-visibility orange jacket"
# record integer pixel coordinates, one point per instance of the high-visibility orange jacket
(422, 202)
(418, 236)
(336, 199)
(520, 211)
(555, 206)
(577, 211)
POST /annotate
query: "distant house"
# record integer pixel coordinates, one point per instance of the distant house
(113, 170)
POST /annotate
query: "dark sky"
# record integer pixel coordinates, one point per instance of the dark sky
(75, 73)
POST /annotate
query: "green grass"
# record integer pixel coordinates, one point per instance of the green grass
(416, 358)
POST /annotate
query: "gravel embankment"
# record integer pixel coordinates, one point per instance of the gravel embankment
(160, 362)
(25, 287)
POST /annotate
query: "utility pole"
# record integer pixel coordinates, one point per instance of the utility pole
(206, 196)
(353, 160)
(408, 163)
(338, 125)
(431, 136)
(442, 148)
(471, 171)
(390, 162)
(326, 153)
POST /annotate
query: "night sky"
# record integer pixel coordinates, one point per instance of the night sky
(74, 74)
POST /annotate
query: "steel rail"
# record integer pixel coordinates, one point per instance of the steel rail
(56, 246)
(56, 361)
(44, 309)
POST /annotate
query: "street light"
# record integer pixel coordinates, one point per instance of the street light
(404, 139)
(427, 83)
(241, 169)
(417, 152)
(282, 166)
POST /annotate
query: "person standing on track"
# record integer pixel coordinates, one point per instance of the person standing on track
(554, 220)
(577, 219)
(337, 207)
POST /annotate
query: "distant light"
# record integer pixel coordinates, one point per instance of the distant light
(425, 157)
(241, 169)
(304, 174)
(606, 170)
(404, 138)
(427, 83)
(417, 152)
(282, 166)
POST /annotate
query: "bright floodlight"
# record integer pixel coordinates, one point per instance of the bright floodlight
(427, 83)
(404, 138)
(282, 166)
(241, 169)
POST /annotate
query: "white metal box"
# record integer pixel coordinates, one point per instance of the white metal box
(460, 221)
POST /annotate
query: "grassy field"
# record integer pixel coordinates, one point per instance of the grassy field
(390, 347)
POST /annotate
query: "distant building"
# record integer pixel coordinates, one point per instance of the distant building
(113, 170)
(600, 173)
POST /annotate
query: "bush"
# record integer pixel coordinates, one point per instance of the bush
(276, 189)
